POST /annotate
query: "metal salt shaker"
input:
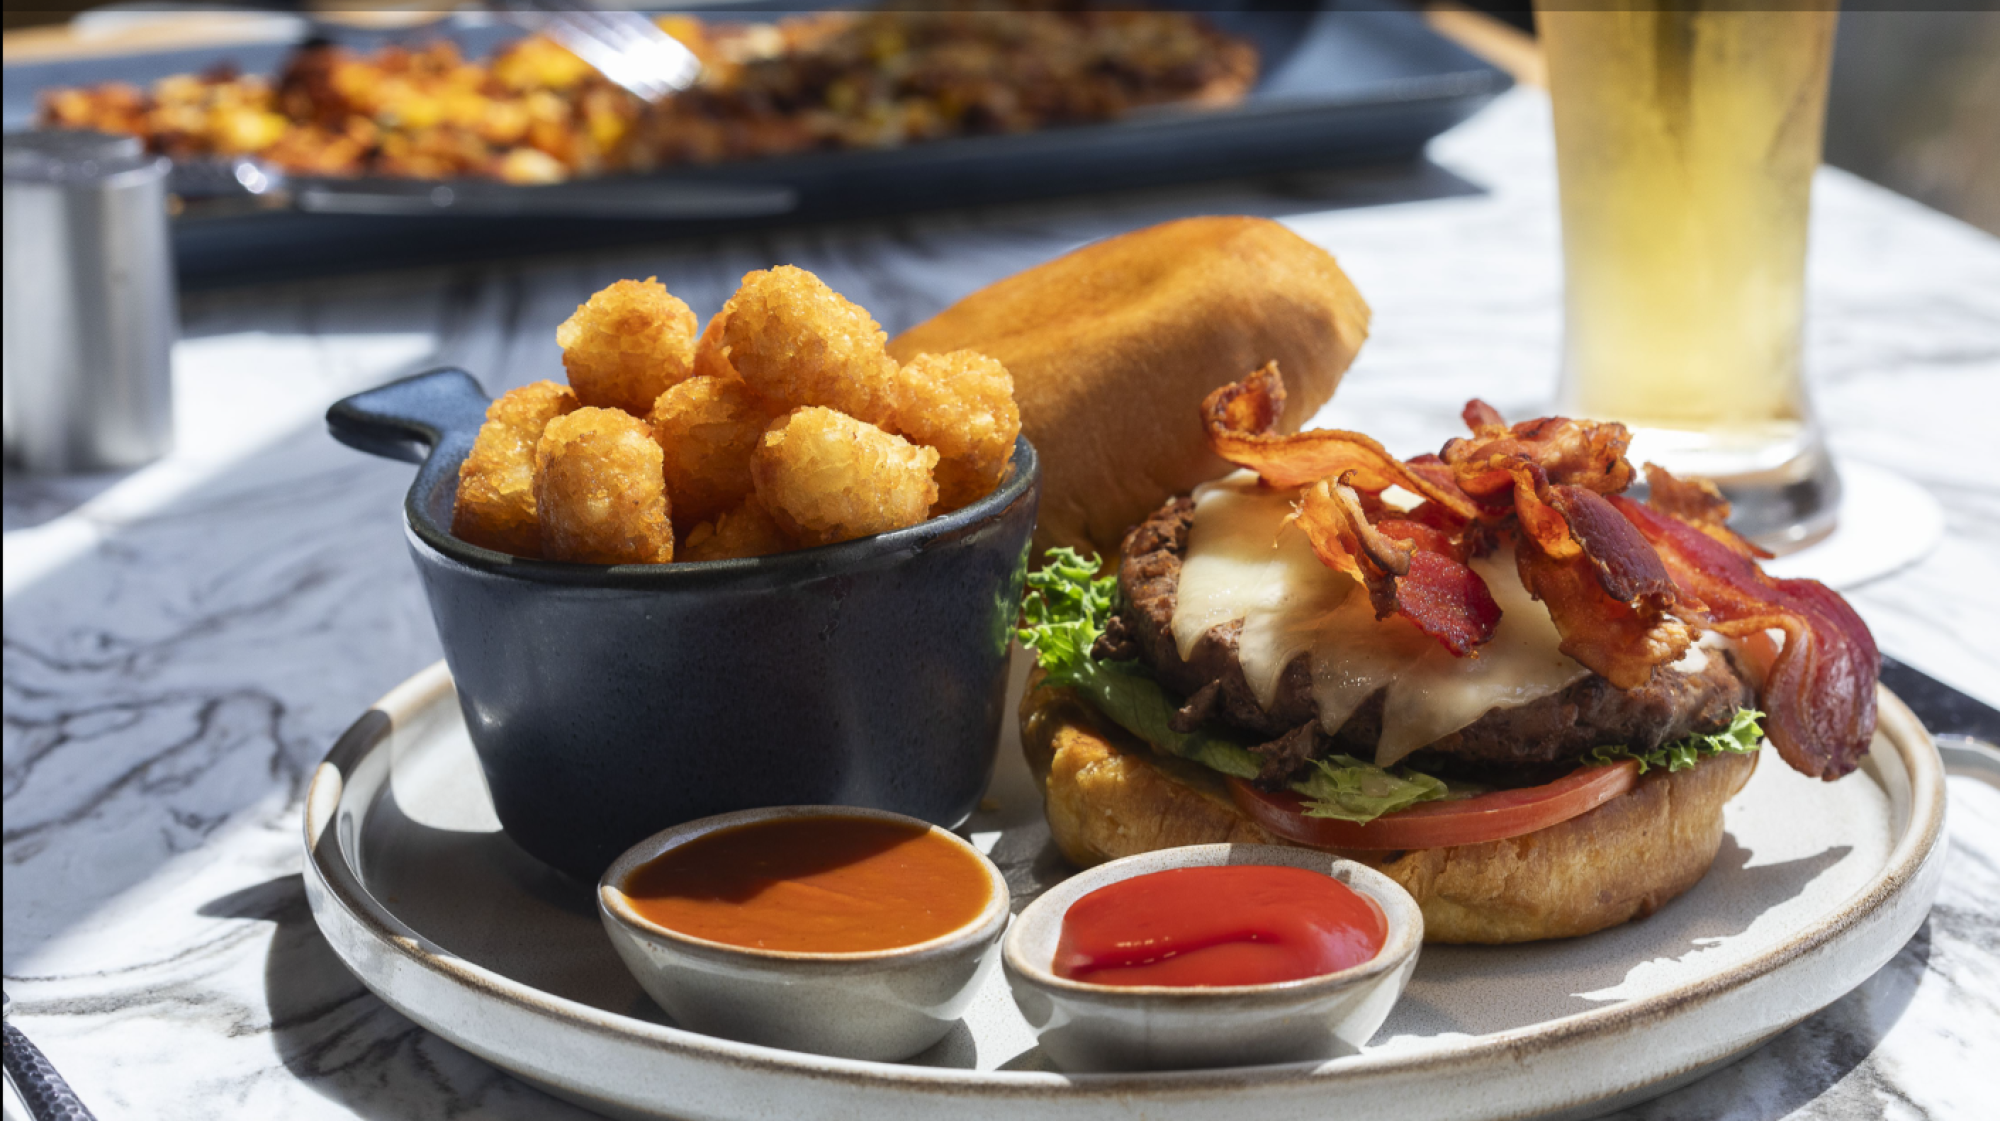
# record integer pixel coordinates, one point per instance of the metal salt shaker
(90, 303)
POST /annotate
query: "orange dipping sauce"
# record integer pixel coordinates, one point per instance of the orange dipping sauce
(824, 885)
(1236, 924)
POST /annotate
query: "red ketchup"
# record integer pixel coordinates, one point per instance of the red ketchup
(1238, 924)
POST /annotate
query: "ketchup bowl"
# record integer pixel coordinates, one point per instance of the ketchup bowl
(1165, 1012)
(842, 931)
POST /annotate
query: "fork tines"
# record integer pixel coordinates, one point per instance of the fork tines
(624, 46)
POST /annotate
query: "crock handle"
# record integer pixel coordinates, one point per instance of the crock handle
(407, 418)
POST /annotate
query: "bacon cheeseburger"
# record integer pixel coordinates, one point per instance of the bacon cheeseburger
(1487, 672)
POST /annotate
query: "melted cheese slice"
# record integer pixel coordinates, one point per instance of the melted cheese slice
(1240, 566)
(1231, 549)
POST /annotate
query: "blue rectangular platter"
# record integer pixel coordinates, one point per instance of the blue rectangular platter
(1341, 85)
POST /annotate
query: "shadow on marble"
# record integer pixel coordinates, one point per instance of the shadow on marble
(32, 500)
(338, 1038)
(940, 256)
(905, 269)
(1418, 180)
(544, 244)
(180, 672)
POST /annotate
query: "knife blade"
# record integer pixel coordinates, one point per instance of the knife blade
(1943, 709)
(1965, 729)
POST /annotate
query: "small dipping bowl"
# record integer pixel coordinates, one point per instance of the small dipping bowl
(1090, 1027)
(883, 1004)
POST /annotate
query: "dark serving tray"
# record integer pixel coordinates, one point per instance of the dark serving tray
(1343, 85)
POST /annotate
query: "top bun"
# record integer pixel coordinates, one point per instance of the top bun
(1114, 346)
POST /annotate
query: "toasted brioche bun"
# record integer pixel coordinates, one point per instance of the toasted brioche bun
(1109, 795)
(1113, 347)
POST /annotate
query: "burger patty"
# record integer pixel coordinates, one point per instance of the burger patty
(1509, 743)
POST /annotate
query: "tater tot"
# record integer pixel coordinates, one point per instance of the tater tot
(626, 345)
(600, 495)
(707, 427)
(827, 477)
(496, 483)
(711, 354)
(962, 404)
(797, 342)
(747, 531)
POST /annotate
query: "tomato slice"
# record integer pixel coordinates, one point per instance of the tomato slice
(1429, 825)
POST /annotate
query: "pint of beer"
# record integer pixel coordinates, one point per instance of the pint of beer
(1686, 139)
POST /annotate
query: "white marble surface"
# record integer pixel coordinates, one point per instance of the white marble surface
(183, 643)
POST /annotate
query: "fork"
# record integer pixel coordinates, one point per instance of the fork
(625, 47)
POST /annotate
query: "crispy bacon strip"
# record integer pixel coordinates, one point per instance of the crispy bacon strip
(1614, 574)
(1328, 519)
(1424, 536)
(1448, 601)
(1409, 568)
(1627, 567)
(1616, 640)
(1570, 452)
(1695, 501)
(1483, 419)
(1241, 418)
(1819, 692)
(1251, 407)
(1834, 676)
(1535, 509)
(1437, 473)
(1698, 503)
(1607, 592)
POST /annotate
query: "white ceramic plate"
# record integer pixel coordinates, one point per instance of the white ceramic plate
(1817, 886)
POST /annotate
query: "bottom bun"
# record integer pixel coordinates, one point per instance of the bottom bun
(1109, 795)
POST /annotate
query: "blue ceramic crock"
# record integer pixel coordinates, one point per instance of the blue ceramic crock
(610, 702)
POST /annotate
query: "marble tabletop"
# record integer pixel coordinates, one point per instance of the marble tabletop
(182, 643)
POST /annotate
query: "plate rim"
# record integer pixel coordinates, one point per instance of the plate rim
(1918, 847)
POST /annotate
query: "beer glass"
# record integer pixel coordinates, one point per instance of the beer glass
(1686, 139)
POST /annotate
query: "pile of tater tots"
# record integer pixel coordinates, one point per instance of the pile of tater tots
(784, 424)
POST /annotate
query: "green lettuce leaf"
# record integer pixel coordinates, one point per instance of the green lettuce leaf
(1343, 787)
(1065, 610)
(1743, 736)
